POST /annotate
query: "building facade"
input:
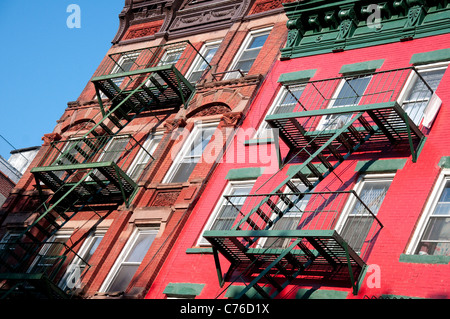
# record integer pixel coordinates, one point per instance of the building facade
(233, 149)
(99, 209)
(346, 196)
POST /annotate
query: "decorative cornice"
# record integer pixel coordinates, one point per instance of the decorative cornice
(319, 26)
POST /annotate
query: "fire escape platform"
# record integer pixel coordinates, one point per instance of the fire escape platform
(387, 120)
(150, 89)
(37, 281)
(107, 182)
(314, 254)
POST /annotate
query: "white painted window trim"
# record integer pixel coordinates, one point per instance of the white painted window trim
(358, 188)
(123, 254)
(412, 79)
(199, 58)
(243, 47)
(429, 208)
(227, 191)
(185, 148)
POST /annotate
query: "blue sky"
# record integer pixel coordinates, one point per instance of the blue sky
(45, 64)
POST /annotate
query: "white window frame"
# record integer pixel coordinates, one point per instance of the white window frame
(186, 147)
(243, 47)
(199, 60)
(323, 120)
(150, 145)
(412, 80)
(77, 262)
(429, 208)
(264, 130)
(230, 187)
(124, 254)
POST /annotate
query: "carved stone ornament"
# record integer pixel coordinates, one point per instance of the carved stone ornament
(172, 124)
(231, 118)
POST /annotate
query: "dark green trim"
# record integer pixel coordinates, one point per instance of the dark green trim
(258, 141)
(234, 291)
(362, 67)
(320, 26)
(206, 250)
(373, 166)
(424, 259)
(183, 289)
(315, 293)
(298, 76)
(430, 57)
(444, 162)
(244, 173)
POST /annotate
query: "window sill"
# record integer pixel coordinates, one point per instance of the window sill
(424, 259)
(199, 250)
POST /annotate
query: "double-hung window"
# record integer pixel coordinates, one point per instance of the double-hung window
(202, 60)
(356, 222)
(418, 94)
(169, 57)
(226, 211)
(144, 156)
(285, 102)
(129, 260)
(190, 153)
(432, 235)
(248, 52)
(349, 93)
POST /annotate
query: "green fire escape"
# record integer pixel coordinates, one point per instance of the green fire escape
(331, 120)
(86, 172)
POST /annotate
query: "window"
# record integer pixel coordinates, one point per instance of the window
(144, 156)
(225, 214)
(112, 151)
(285, 102)
(82, 258)
(207, 53)
(356, 221)
(291, 218)
(170, 57)
(348, 93)
(129, 260)
(433, 231)
(190, 154)
(49, 255)
(124, 64)
(417, 95)
(248, 52)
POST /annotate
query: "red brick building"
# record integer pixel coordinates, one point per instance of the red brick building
(99, 209)
(355, 204)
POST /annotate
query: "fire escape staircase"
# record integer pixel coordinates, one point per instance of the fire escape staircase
(74, 172)
(268, 271)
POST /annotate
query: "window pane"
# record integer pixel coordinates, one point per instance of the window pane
(290, 100)
(183, 171)
(140, 247)
(351, 91)
(123, 278)
(258, 41)
(372, 195)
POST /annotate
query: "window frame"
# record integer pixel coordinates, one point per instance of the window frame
(322, 125)
(198, 61)
(186, 147)
(262, 131)
(228, 190)
(358, 187)
(149, 144)
(126, 250)
(411, 81)
(244, 46)
(430, 206)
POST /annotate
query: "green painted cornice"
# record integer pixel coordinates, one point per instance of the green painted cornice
(320, 26)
